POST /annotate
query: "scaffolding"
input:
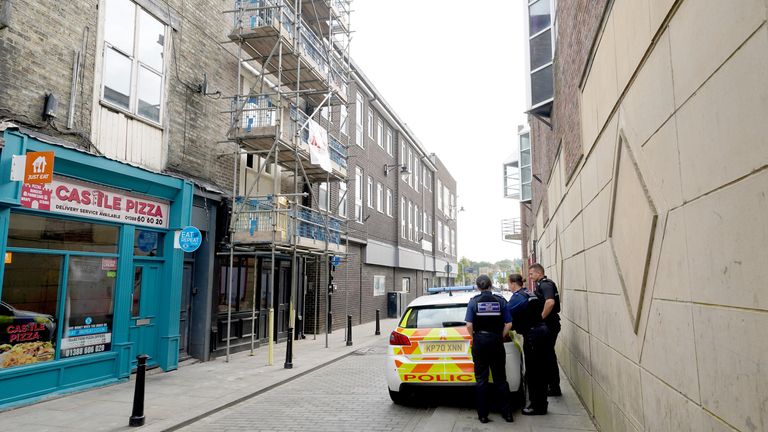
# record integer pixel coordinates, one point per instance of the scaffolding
(298, 51)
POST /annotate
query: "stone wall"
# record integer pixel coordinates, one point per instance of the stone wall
(658, 238)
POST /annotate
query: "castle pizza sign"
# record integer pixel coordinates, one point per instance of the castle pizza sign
(76, 198)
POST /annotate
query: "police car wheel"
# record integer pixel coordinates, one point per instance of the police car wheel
(398, 397)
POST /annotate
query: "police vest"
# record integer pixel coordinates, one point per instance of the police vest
(488, 314)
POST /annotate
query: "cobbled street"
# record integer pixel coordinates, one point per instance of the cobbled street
(351, 395)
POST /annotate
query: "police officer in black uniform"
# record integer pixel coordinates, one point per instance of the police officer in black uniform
(488, 321)
(526, 309)
(546, 291)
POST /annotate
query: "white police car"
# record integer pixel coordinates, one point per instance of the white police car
(431, 346)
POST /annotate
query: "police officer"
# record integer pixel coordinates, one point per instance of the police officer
(546, 290)
(488, 321)
(525, 309)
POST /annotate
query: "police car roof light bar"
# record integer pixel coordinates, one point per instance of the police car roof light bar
(435, 290)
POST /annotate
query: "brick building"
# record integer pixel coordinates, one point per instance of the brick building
(648, 167)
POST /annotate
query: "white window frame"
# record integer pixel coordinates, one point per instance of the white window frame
(358, 195)
(359, 120)
(424, 222)
(453, 242)
(439, 236)
(403, 233)
(390, 141)
(410, 166)
(410, 221)
(380, 131)
(389, 202)
(370, 192)
(370, 124)
(379, 285)
(322, 192)
(439, 194)
(446, 239)
(446, 201)
(402, 153)
(416, 168)
(406, 284)
(343, 115)
(416, 220)
(379, 198)
(343, 190)
(133, 98)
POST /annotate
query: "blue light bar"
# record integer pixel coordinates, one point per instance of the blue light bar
(435, 290)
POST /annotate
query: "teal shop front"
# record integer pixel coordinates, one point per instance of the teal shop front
(90, 276)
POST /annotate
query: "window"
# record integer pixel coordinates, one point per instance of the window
(416, 170)
(358, 195)
(424, 223)
(406, 284)
(147, 243)
(424, 177)
(379, 197)
(389, 203)
(322, 196)
(416, 220)
(58, 290)
(402, 153)
(379, 285)
(389, 141)
(359, 120)
(343, 119)
(403, 232)
(452, 207)
(410, 166)
(453, 242)
(370, 192)
(134, 66)
(343, 199)
(525, 167)
(370, 124)
(540, 52)
(440, 236)
(451, 315)
(446, 202)
(380, 135)
(410, 221)
(439, 195)
(324, 112)
(446, 239)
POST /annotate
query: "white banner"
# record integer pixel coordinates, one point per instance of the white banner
(318, 146)
(73, 197)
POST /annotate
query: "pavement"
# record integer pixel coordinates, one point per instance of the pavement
(329, 389)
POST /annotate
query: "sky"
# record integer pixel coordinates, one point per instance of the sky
(454, 71)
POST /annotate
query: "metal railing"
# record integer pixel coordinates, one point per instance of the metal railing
(259, 215)
(257, 112)
(511, 230)
(338, 151)
(262, 13)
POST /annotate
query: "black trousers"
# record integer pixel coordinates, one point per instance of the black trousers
(536, 350)
(488, 355)
(553, 371)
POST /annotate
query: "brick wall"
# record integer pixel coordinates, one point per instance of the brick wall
(36, 57)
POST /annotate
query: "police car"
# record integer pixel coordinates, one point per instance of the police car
(431, 346)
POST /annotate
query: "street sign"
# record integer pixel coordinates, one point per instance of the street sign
(190, 239)
(448, 268)
(336, 260)
(39, 168)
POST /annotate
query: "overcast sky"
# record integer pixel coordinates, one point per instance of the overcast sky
(454, 71)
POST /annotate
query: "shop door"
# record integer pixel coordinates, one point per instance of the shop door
(185, 311)
(144, 309)
(283, 301)
(264, 288)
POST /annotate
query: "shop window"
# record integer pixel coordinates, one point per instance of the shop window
(29, 310)
(39, 232)
(379, 285)
(148, 243)
(88, 312)
(242, 286)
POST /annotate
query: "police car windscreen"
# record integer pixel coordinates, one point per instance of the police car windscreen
(437, 316)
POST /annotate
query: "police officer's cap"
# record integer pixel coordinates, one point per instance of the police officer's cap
(483, 282)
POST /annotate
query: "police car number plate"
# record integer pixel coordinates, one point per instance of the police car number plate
(444, 347)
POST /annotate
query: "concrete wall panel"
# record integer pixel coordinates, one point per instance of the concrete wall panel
(738, 134)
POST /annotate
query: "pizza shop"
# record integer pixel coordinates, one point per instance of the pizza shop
(90, 276)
